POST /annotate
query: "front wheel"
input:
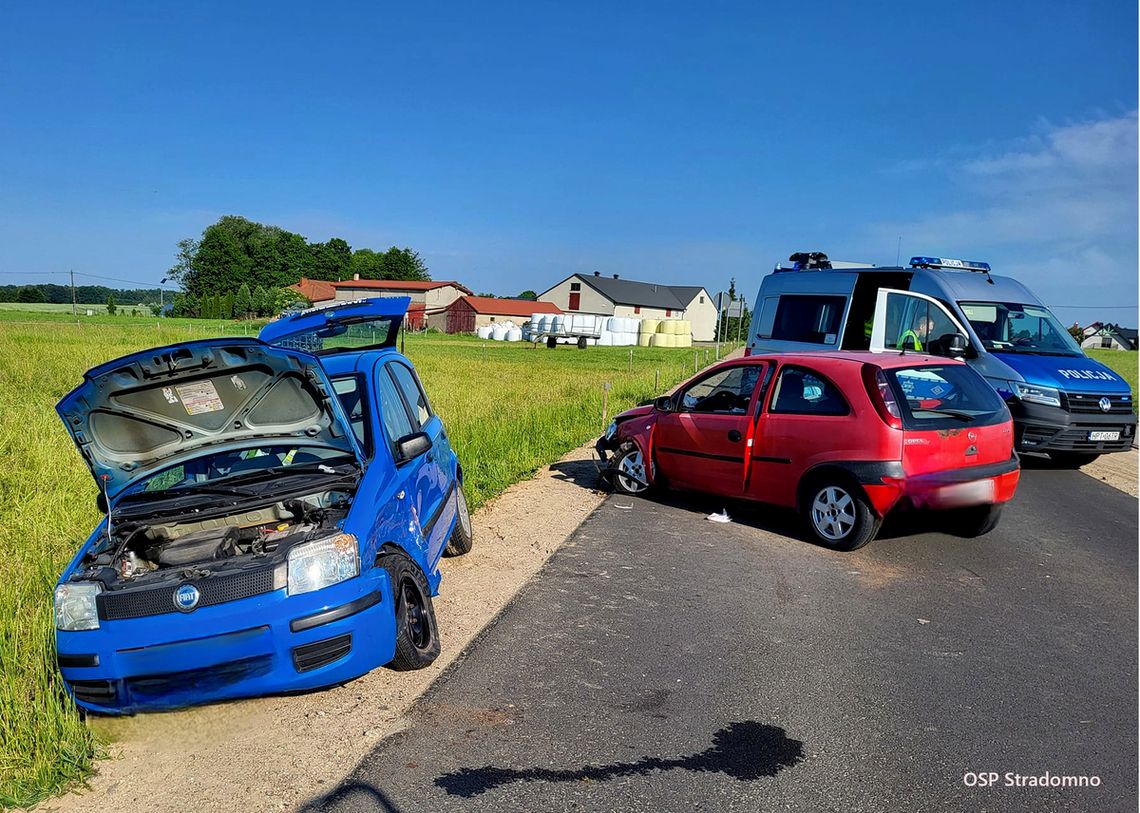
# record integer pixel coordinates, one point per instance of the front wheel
(840, 517)
(417, 635)
(1072, 460)
(629, 475)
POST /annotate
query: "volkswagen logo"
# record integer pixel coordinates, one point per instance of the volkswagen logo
(186, 597)
(1105, 404)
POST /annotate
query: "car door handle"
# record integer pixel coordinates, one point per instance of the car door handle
(734, 435)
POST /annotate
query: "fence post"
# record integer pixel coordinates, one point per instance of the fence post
(605, 404)
(695, 352)
(657, 382)
(630, 360)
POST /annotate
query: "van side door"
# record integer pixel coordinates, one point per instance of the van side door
(905, 320)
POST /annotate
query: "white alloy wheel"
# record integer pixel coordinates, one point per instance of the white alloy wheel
(833, 513)
(631, 472)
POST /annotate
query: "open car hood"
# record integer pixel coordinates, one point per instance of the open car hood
(339, 327)
(144, 412)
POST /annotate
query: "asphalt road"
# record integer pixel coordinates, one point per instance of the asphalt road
(661, 662)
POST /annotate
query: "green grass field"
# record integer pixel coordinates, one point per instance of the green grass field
(509, 409)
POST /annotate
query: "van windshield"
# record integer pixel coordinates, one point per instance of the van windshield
(1006, 327)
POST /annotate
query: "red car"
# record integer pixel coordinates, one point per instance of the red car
(843, 437)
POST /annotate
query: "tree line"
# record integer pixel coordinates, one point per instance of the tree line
(84, 294)
(236, 251)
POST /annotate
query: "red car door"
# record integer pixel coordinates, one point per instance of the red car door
(703, 443)
(807, 421)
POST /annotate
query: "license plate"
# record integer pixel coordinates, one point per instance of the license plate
(1104, 436)
(961, 494)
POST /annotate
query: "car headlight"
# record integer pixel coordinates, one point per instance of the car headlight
(611, 430)
(75, 606)
(323, 562)
(1033, 394)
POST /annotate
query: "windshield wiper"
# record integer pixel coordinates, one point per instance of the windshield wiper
(950, 413)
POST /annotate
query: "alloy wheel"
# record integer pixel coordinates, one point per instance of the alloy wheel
(833, 513)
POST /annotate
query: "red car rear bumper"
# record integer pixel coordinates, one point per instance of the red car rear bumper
(989, 484)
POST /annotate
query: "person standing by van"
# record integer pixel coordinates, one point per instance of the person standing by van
(918, 334)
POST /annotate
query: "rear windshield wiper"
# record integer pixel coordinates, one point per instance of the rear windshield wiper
(950, 413)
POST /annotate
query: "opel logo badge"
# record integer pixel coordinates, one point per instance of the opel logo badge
(971, 436)
(1105, 404)
(186, 597)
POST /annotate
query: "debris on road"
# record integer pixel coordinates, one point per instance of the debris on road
(721, 517)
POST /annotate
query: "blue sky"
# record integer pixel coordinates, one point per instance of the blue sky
(513, 144)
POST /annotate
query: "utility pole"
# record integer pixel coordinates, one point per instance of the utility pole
(74, 308)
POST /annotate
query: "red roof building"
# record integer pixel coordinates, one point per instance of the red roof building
(469, 312)
(314, 290)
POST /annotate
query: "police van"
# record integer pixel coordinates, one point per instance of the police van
(1063, 403)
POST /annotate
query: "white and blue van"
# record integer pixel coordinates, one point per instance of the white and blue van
(1063, 403)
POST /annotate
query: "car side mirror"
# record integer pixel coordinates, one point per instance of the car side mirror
(409, 447)
(956, 345)
(663, 403)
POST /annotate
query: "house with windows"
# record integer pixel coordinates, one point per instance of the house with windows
(1107, 336)
(614, 296)
(430, 298)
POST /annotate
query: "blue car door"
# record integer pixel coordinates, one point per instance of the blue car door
(428, 479)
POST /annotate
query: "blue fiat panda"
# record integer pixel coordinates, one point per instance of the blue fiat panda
(276, 509)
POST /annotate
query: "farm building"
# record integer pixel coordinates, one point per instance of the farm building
(430, 298)
(1107, 336)
(470, 312)
(613, 296)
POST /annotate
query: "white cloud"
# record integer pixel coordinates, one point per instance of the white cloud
(1058, 209)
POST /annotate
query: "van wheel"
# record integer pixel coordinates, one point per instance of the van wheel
(461, 537)
(839, 516)
(977, 521)
(1072, 460)
(629, 475)
(417, 635)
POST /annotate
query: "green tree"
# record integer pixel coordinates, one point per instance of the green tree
(31, 293)
(331, 260)
(531, 295)
(258, 304)
(183, 261)
(111, 307)
(286, 298)
(227, 306)
(155, 309)
(243, 303)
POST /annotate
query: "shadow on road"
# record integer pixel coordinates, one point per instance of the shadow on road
(744, 751)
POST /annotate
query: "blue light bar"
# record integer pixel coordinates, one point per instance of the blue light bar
(949, 262)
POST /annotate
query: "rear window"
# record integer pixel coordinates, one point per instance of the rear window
(945, 397)
(814, 319)
(358, 334)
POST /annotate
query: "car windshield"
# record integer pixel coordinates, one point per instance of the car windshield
(223, 468)
(356, 334)
(1006, 327)
(941, 396)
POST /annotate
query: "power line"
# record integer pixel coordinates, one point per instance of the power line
(135, 283)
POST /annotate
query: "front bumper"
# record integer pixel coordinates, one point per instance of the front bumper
(265, 644)
(1052, 429)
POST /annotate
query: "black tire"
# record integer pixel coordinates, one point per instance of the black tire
(628, 474)
(838, 514)
(977, 521)
(461, 537)
(417, 634)
(1072, 460)
(551, 342)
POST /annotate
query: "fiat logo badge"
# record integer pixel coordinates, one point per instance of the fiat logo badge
(186, 597)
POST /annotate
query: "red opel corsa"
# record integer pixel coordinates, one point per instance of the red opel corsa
(843, 437)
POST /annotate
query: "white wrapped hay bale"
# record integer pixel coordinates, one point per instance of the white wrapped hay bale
(499, 333)
(649, 325)
(645, 339)
(514, 335)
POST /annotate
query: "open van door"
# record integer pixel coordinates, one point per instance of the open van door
(905, 320)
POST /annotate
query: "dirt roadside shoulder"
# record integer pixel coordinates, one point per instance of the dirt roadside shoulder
(1118, 470)
(274, 753)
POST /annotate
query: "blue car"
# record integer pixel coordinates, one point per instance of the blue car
(275, 513)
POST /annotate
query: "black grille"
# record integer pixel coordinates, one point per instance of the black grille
(175, 688)
(159, 600)
(322, 653)
(95, 692)
(1088, 403)
(1072, 440)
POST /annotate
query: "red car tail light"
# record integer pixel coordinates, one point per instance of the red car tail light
(882, 396)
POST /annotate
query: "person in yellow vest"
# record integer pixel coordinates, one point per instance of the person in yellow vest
(914, 338)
